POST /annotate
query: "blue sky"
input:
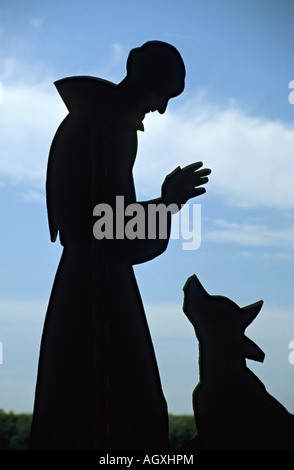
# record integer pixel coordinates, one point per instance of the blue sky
(234, 115)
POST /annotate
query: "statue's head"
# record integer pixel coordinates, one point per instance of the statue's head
(157, 71)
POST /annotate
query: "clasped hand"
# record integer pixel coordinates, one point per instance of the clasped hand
(184, 183)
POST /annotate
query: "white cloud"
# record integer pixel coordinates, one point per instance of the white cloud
(252, 158)
(29, 117)
(30, 113)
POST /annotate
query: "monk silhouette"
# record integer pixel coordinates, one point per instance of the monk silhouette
(98, 385)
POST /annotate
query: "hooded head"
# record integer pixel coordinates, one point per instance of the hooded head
(157, 65)
(155, 73)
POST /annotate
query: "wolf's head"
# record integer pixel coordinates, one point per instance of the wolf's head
(219, 320)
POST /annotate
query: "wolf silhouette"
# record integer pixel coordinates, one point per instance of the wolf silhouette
(232, 409)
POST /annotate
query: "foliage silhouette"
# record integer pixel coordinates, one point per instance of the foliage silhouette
(232, 409)
(182, 430)
(14, 430)
(98, 385)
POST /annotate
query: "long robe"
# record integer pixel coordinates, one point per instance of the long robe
(98, 385)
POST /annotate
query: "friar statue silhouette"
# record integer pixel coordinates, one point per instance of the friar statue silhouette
(233, 410)
(98, 385)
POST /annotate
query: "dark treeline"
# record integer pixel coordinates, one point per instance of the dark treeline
(181, 430)
(15, 428)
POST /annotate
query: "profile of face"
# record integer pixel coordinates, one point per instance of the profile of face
(153, 100)
(155, 73)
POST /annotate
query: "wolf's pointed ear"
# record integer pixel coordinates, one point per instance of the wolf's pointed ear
(252, 351)
(250, 312)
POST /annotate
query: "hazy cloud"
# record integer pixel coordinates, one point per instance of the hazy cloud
(32, 195)
(36, 22)
(251, 234)
(176, 349)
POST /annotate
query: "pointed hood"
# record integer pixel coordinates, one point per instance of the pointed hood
(83, 94)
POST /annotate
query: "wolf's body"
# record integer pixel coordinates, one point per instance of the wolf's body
(233, 410)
